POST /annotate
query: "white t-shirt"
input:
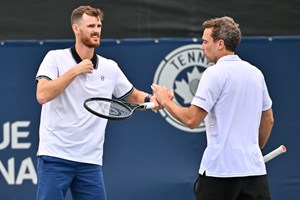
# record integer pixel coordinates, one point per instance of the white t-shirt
(234, 94)
(67, 129)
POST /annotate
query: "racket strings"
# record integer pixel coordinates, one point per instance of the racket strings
(109, 108)
(118, 110)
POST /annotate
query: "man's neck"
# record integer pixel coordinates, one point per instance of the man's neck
(84, 52)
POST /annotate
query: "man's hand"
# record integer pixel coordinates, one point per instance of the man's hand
(162, 94)
(85, 66)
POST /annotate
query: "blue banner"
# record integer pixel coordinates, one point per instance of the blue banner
(151, 155)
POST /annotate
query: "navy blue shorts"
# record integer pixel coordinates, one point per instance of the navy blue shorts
(237, 188)
(56, 176)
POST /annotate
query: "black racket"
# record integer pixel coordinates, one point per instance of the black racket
(114, 109)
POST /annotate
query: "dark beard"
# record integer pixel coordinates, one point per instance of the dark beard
(87, 42)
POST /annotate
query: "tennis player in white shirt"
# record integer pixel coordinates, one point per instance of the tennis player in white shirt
(233, 101)
(71, 139)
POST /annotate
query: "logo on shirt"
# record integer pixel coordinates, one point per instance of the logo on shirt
(181, 70)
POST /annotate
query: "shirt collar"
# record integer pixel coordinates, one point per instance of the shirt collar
(78, 59)
(229, 58)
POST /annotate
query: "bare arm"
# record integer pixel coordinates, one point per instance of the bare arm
(266, 125)
(50, 89)
(138, 96)
(190, 116)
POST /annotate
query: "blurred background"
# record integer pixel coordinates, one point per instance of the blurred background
(34, 19)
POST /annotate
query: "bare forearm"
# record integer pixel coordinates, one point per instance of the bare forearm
(180, 113)
(137, 96)
(265, 127)
(48, 90)
(190, 116)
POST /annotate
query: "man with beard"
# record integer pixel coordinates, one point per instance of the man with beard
(71, 139)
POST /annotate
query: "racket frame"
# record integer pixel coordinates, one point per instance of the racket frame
(108, 100)
(131, 107)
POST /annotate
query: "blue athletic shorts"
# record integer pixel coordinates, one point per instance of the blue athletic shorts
(56, 176)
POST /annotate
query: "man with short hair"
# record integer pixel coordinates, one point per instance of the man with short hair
(71, 139)
(233, 100)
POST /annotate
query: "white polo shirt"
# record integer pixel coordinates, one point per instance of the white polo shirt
(234, 94)
(67, 129)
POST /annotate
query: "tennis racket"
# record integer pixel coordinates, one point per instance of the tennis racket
(114, 109)
(276, 152)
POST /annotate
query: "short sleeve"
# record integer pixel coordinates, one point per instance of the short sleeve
(48, 68)
(123, 86)
(208, 91)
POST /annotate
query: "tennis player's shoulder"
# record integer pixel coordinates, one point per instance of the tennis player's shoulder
(58, 54)
(107, 61)
(59, 51)
(252, 67)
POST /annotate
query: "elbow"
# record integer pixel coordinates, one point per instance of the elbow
(194, 117)
(265, 133)
(270, 119)
(192, 124)
(272, 122)
(41, 99)
(262, 144)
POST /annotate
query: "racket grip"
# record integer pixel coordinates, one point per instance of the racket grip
(149, 105)
(274, 153)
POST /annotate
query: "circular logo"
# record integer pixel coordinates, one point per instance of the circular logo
(181, 70)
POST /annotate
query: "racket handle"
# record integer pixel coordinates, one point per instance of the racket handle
(149, 105)
(274, 153)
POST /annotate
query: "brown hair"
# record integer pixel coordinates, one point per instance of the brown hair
(224, 28)
(78, 13)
